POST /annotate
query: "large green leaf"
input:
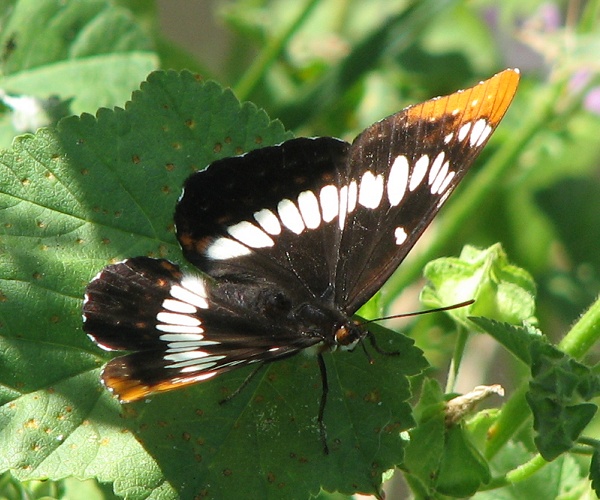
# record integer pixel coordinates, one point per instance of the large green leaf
(103, 188)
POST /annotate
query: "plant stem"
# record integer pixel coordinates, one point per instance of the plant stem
(515, 413)
(584, 334)
(517, 475)
(459, 349)
(271, 52)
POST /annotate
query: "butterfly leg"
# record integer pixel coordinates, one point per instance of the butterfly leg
(379, 349)
(242, 386)
(324, 393)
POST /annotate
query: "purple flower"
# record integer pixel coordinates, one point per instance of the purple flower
(591, 101)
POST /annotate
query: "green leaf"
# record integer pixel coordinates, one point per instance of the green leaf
(595, 471)
(99, 189)
(88, 54)
(66, 30)
(516, 339)
(558, 385)
(425, 450)
(501, 290)
(463, 469)
(439, 458)
(559, 382)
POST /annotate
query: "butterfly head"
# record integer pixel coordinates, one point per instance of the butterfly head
(348, 335)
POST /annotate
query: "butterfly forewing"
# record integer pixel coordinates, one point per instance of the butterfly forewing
(267, 216)
(404, 168)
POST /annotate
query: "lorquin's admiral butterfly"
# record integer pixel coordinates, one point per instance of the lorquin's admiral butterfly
(292, 240)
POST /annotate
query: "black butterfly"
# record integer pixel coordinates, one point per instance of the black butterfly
(292, 240)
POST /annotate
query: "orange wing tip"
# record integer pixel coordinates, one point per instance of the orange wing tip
(488, 99)
(129, 390)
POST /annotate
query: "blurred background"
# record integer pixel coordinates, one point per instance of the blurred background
(334, 67)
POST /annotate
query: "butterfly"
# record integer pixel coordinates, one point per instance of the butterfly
(291, 241)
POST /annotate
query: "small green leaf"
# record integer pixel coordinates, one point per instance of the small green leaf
(501, 290)
(425, 450)
(516, 339)
(463, 469)
(441, 459)
(558, 385)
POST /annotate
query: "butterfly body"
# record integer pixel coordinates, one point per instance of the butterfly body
(291, 241)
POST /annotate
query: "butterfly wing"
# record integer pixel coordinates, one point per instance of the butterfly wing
(401, 170)
(179, 327)
(268, 216)
(332, 221)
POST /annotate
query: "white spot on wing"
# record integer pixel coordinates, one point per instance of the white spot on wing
(192, 291)
(329, 202)
(309, 208)
(447, 181)
(352, 196)
(290, 216)
(226, 248)
(250, 235)
(177, 319)
(178, 306)
(195, 367)
(464, 131)
(197, 378)
(418, 172)
(179, 329)
(181, 337)
(400, 235)
(194, 354)
(397, 180)
(435, 167)
(343, 206)
(435, 187)
(268, 221)
(448, 138)
(481, 131)
(371, 190)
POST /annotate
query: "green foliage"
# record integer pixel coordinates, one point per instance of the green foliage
(100, 184)
(500, 290)
(63, 50)
(558, 383)
(442, 458)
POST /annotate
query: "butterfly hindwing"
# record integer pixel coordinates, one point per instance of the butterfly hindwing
(183, 329)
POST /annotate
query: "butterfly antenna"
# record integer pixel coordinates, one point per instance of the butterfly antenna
(404, 315)
(418, 313)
